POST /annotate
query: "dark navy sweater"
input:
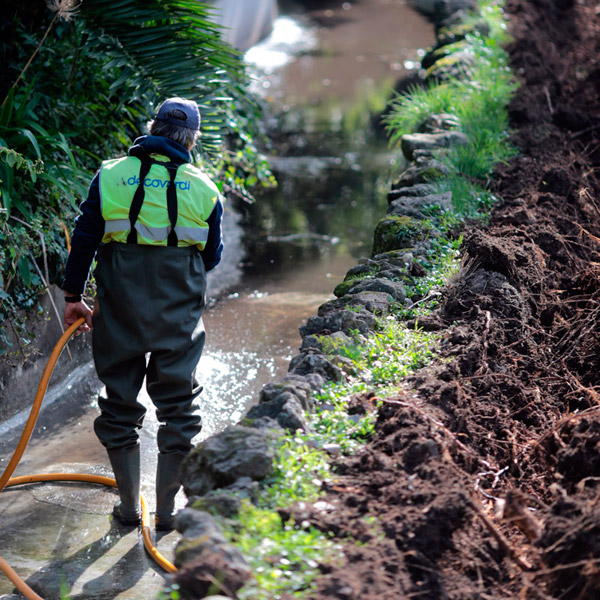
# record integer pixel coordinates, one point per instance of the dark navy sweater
(89, 225)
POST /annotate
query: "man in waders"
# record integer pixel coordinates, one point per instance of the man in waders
(154, 220)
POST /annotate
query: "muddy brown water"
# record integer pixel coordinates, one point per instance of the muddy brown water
(325, 67)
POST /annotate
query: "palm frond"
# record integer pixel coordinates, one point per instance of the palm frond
(177, 46)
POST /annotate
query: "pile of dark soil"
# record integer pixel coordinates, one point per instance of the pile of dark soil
(485, 471)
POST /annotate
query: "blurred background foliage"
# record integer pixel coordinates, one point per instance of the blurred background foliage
(80, 80)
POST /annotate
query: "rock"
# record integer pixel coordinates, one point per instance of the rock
(451, 34)
(436, 124)
(332, 449)
(456, 18)
(218, 502)
(393, 273)
(421, 172)
(367, 268)
(221, 459)
(226, 501)
(419, 189)
(262, 423)
(193, 523)
(342, 320)
(244, 487)
(291, 384)
(456, 66)
(332, 343)
(431, 141)
(346, 364)
(400, 258)
(439, 52)
(341, 289)
(377, 303)
(285, 409)
(421, 207)
(312, 341)
(314, 379)
(212, 571)
(393, 233)
(339, 340)
(457, 27)
(311, 362)
(443, 9)
(377, 284)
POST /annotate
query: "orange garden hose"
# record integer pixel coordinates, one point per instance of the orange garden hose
(6, 481)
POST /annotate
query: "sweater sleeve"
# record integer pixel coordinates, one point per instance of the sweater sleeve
(211, 255)
(88, 233)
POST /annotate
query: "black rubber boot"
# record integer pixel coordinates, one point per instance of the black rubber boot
(167, 486)
(126, 467)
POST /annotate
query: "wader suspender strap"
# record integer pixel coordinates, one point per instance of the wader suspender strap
(172, 205)
(138, 200)
(136, 203)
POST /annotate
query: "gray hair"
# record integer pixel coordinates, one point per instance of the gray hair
(182, 135)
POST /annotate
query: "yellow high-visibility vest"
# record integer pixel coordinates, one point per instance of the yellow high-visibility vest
(196, 197)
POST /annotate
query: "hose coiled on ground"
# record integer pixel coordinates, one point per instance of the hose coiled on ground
(7, 481)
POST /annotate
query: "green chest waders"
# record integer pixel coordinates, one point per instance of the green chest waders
(150, 301)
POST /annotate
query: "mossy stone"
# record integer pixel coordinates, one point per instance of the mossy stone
(397, 232)
(352, 278)
(454, 66)
(433, 55)
(219, 503)
(459, 31)
(341, 288)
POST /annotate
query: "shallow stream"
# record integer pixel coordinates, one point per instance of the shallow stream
(324, 73)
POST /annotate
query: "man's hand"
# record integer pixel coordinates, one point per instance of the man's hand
(76, 310)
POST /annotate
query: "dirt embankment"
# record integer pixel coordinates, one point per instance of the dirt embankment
(485, 472)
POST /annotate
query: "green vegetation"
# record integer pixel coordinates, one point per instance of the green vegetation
(478, 101)
(284, 556)
(399, 232)
(111, 63)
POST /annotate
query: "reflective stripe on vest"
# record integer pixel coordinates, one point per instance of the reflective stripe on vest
(196, 198)
(193, 235)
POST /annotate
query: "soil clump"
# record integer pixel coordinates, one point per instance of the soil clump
(484, 469)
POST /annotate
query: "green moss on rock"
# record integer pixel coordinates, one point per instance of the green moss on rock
(435, 54)
(459, 31)
(341, 289)
(352, 277)
(397, 232)
(453, 66)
